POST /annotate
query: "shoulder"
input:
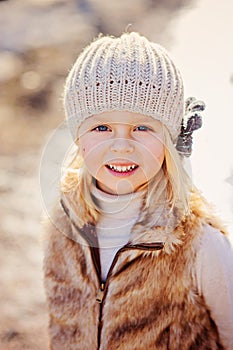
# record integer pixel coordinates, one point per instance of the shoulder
(214, 259)
(204, 227)
(215, 251)
(56, 226)
(215, 241)
(214, 267)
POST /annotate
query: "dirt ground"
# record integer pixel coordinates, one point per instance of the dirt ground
(36, 51)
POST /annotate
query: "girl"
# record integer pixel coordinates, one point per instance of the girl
(135, 258)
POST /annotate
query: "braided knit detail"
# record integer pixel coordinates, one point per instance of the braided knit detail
(128, 73)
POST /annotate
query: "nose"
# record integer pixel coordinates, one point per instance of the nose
(122, 145)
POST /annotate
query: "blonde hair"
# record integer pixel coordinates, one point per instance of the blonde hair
(171, 185)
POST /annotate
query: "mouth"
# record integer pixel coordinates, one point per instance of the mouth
(122, 169)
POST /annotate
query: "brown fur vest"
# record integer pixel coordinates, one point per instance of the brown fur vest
(150, 299)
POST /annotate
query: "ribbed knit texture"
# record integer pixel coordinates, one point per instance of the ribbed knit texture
(128, 73)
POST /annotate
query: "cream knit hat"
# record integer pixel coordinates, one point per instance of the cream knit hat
(128, 73)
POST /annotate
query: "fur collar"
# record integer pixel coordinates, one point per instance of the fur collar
(168, 230)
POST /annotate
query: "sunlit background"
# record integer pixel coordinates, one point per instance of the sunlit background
(202, 43)
(39, 41)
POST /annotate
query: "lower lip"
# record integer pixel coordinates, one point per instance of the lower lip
(122, 174)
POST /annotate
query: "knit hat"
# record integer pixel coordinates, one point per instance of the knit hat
(128, 73)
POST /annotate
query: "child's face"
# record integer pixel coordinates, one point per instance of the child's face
(122, 150)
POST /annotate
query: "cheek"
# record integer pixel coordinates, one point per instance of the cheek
(87, 147)
(83, 150)
(161, 154)
(156, 151)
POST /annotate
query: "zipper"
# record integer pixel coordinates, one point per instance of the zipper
(92, 241)
(102, 291)
(103, 284)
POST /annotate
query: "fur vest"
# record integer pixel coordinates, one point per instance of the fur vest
(150, 298)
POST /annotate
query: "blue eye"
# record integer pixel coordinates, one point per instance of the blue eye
(101, 128)
(142, 128)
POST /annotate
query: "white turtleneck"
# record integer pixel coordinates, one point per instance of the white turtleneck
(118, 215)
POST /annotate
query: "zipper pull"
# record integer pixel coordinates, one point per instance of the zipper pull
(100, 293)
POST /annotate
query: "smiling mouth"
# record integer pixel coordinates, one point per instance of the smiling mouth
(122, 168)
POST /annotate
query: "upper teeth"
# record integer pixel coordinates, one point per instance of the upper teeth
(122, 168)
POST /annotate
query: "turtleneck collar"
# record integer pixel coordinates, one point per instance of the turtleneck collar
(118, 206)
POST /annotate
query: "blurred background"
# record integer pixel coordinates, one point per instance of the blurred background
(39, 41)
